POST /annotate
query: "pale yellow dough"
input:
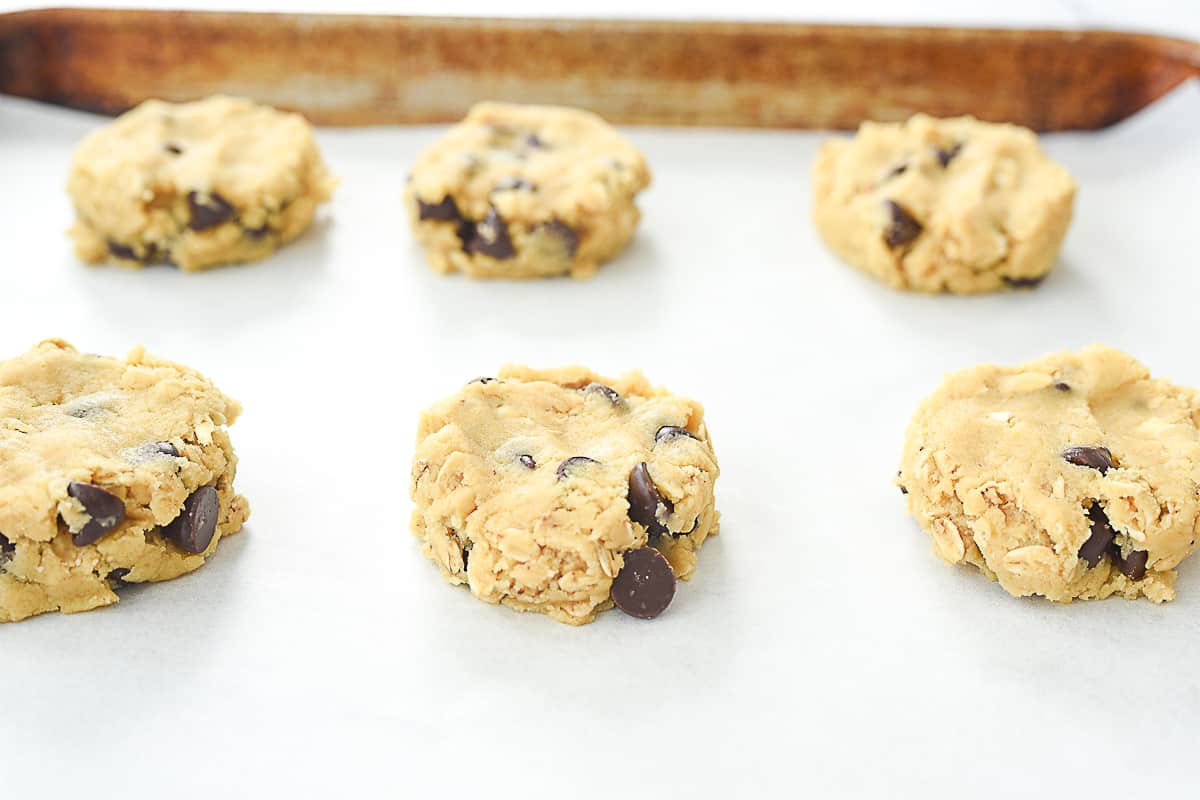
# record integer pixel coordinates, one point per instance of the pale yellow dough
(516, 191)
(987, 479)
(69, 416)
(254, 172)
(992, 208)
(536, 541)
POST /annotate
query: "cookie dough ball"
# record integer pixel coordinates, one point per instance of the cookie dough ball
(561, 491)
(1075, 476)
(111, 472)
(196, 185)
(519, 191)
(950, 205)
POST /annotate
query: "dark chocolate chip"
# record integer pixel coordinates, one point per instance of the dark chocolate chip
(465, 232)
(903, 229)
(646, 505)
(106, 511)
(7, 548)
(1022, 283)
(534, 141)
(489, 237)
(193, 529)
(208, 210)
(466, 555)
(167, 449)
(668, 432)
(1133, 565)
(513, 184)
(1062, 387)
(173, 149)
(123, 251)
(645, 585)
(563, 231)
(895, 172)
(87, 412)
(1102, 536)
(1098, 458)
(481, 379)
(257, 233)
(446, 210)
(527, 462)
(116, 578)
(903, 490)
(571, 463)
(947, 154)
(608, 392)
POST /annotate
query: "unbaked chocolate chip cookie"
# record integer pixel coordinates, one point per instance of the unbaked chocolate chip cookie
(564, 492)
(218, 181)
(950, 205)
(519, 191)
(111, 472)
(1075, 476)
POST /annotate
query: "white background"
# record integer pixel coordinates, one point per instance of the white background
(821, 650)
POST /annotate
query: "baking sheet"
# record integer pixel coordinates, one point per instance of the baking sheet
(821, 648)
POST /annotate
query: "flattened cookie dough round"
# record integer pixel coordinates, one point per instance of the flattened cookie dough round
(538, 487)
(517, 191)
(111, 472)
(1074, 476)
(219, 181)
(943, 205)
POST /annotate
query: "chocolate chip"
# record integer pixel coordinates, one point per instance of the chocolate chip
(535, 142)
(608, 392)
(7, 548)
(446, 210)
(116, 578)
(1098, 458)
(1062, 387)
(513, 184)
(571, 463)
(466, 555)
(668, 432)
(947, 154)
(645, 585)
(87, 412)
(193, 529)
(208, 210)
(1102, 536)
(257, 233)
(173, 149)
(481, 379)
(123, 251)
(1133, 565)
(528, 462)
(1022, 283)
(895, 172)
(106, 511)
(903, 229)
(563, 231)
(903, 490)
(646, 505)
(167, 449)
(489, 237)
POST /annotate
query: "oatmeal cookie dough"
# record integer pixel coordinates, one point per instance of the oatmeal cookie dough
(517, 191)
(219, 181)
(943, 205)
(539, 488)
(111, 472)
(1074, 476)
